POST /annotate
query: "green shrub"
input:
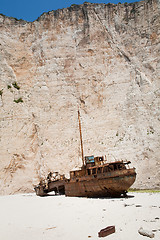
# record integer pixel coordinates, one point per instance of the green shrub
(19, 100)
(9, 86)
(16, 19)
(15, 85)
(144, 190)
(150, 131)
(133, 11)
(1, 14)
(1, 92)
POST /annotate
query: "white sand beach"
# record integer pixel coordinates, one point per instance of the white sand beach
(27, 216)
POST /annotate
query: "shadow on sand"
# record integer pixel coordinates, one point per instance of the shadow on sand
(120, 197)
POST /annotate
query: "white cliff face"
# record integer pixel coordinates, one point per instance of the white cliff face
(104, 58)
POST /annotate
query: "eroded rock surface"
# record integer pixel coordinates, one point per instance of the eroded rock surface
(104, 58)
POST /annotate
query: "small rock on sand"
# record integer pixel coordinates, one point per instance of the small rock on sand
(146, 233)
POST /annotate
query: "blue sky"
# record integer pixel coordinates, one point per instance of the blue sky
(30, 10)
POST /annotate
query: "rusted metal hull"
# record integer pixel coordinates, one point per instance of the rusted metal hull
(40, 191)
(108, 180)
(57, 186)
(96, 178)
(101, 185)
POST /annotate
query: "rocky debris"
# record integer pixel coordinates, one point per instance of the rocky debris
(146, 233)
(127, 205)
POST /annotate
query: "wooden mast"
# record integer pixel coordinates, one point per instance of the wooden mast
(81, 136)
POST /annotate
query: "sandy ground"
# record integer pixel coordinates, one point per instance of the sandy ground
(27, 217)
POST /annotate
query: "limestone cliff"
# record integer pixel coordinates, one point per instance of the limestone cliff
(102, 57)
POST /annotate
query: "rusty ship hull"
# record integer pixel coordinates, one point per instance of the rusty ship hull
(96, 178)
(104, 184)
(57, 186)
(111, 184)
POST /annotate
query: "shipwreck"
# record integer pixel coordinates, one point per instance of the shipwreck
(95, 178)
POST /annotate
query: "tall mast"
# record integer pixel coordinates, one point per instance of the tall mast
(80, 136)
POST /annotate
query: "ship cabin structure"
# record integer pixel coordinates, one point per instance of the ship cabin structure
(97, 165)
